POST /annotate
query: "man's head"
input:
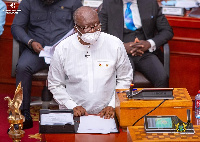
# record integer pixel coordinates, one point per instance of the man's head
(87, 24)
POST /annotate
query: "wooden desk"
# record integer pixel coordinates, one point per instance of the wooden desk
(137, 133)
(116, 137)
(129, 111)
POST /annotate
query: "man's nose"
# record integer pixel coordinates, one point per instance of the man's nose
(92, 29)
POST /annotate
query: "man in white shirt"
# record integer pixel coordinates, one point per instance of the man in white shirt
(87, 67)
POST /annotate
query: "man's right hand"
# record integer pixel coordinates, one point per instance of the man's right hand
(79, 111)
(129, 47)
(132, 49)
(37, 47)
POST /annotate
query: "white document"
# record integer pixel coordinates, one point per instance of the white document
(48, 51)
(92, 3)
(95, 124)
(56, 119)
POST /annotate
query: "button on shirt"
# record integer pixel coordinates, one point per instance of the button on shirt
(137, 19)
(45, 24)
(89, 81)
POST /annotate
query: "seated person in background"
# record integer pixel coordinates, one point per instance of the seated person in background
(2, 16)
(143, 28)
(39, 23)
(87, 67)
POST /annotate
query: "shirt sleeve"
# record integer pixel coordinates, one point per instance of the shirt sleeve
(20, 22)
(124, 69)
(153, 45)
(56, 81)
(2, 15)
(112, 101)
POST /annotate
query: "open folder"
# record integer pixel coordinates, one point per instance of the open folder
(62, 121)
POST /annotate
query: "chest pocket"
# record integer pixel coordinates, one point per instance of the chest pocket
(103, 68)
(64, 14)
(38, 16)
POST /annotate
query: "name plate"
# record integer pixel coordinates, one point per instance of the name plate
(173, 11)
(92, 3)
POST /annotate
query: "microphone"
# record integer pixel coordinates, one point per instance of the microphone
(131, 88)
(188, 116)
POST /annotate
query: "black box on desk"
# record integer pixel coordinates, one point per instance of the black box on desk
(48, 121)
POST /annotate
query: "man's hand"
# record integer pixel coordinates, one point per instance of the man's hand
(137, 48)
(79, 111)
(141, 47)
(130, 47)
(108, 112)
(37, 47)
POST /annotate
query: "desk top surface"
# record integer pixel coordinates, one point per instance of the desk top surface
(137, 133)
(181, 98)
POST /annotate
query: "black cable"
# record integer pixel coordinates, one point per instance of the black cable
(149, 112)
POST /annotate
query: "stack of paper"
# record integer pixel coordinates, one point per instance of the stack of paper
(95, 124)
(56, 119)
(48, 51)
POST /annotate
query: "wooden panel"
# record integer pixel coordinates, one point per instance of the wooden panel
(185, 53)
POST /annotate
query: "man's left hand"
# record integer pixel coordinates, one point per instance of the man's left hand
(108, 112)
(141, 47)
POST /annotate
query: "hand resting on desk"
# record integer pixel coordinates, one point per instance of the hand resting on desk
(108, 112)
(79, 111)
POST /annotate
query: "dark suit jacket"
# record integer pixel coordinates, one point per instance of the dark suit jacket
(154, 23)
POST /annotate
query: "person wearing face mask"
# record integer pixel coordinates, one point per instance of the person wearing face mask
(87, 67)
(143, 28)
(39, 23)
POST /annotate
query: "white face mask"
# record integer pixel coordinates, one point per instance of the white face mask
(90, 38)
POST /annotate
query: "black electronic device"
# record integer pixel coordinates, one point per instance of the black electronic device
(168, 124)
(151, 94)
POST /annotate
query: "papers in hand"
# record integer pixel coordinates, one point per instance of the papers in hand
(56, 119)
(48, 51)
(95, 124)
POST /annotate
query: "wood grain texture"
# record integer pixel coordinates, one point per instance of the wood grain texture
(129, 110)
(137, 133)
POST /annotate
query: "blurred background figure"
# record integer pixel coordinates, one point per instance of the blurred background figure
(2, 16)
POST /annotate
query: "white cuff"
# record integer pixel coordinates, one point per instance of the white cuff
(70, 104)
(153, 45)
